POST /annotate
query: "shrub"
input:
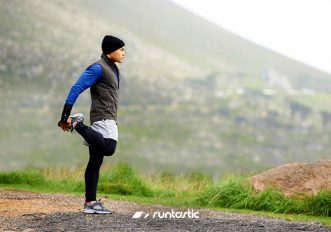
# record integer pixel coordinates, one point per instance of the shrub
(234, 192)
(122, 180)
(319, 204)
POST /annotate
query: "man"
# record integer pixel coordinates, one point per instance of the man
(103, 79)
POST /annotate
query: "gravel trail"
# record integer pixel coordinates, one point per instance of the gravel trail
(30, 212)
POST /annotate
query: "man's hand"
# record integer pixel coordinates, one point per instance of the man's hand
(63, 125)
(65, 121)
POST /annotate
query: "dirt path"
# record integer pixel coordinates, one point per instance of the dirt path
(29, 212)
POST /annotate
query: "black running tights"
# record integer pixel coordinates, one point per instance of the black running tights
(99, 147)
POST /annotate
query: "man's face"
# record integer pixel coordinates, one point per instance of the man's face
(117, 55)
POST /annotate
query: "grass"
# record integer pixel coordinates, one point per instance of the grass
(194, 190)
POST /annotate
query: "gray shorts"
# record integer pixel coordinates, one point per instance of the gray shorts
(108, 129)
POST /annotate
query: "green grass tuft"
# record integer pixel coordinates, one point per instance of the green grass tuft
(124, 181)
(232, 192)
(30, 177)
(320, 204)
(238, 193)
(274, 201)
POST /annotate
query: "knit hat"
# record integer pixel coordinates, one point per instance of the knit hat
(111, 44)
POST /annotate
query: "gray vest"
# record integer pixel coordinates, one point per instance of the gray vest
(105, 92)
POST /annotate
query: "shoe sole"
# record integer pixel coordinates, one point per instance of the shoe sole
(79, 117)
(92, 211)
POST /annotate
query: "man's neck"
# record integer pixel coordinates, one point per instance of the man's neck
(110, 61)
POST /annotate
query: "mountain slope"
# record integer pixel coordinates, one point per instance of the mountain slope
(199, 41)
(193, 96)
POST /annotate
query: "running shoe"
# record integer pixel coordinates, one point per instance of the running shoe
(96, 207)
(79, 117)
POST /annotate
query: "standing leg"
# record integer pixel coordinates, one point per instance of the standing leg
(92, 174)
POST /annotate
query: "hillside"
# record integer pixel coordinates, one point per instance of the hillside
(202, 43)
(193, 96)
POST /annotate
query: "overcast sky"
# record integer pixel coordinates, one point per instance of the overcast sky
(300, 29)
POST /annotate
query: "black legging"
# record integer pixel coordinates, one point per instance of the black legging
(99, 147)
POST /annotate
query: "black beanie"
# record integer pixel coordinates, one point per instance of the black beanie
(111, 44)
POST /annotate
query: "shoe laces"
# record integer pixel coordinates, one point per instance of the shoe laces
(98, 202)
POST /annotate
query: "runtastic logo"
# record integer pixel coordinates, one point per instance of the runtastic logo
(140, 215)
(191, 214)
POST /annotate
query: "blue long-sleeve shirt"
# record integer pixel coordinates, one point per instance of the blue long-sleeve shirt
(86, 80)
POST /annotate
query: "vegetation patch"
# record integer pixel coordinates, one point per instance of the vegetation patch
(186, 190)
(237, 193)
(30, 177)
(124, 181)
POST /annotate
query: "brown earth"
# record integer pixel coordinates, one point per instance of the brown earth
(33, 212)
(296, 178)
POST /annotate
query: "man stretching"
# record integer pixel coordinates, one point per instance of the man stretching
(103, 79)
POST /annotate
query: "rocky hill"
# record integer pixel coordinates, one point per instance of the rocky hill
(296, 178)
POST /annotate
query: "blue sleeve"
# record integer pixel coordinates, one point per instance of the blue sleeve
(86, 80)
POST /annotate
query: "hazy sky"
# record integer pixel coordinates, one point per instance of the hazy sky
(300, 29)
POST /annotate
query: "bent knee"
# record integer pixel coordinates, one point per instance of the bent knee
(109, 152)
(110, 147)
